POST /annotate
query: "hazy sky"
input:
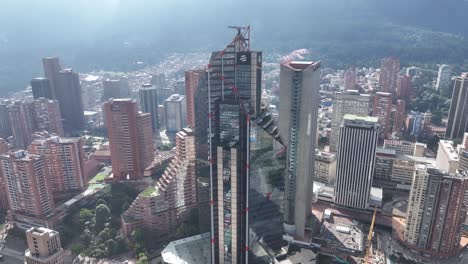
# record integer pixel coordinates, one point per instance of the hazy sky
(88, 34)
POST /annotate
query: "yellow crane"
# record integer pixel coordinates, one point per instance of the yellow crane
(369, 237)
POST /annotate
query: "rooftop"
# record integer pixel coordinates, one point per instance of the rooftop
(447, 147)
(41, 230)
(175, 98)
(361, 118)
(301, 65)
(148, 192)
(190, 250)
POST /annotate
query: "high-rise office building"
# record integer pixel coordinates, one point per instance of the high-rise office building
(242, 74)
(436, 211)
(349, 102)
(3, 192)
(349, 79)
(248, 196)
(382, 109)
(389, 69)
(128, 138)
(51, 69)
(403, 90)
(41, 88)
(21, 123)
(114, 88)
(44, 247)
(399, 116)
(193, 79)
(298, 108)
(158, 80)
(149, 103)
(27, 185)
(64, 160)
(356, 161)
(68, 93)
(444, 77)
(162, 208)
(236, 69)
(175, 109)
(5, 129)
(457, 123)
(47, 116)
(463, 162)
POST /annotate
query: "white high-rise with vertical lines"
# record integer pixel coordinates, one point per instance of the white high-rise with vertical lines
(356, 161)
(298, 107)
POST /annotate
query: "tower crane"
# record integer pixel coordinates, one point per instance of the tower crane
(369, 238)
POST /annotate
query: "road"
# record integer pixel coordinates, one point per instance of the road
(12, 256)
(11, 260)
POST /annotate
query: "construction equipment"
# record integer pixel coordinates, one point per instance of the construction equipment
(369, 238)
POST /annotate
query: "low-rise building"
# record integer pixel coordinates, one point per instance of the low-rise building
(405, 147)
(325, 167)
(447, 157)
(190, 250)
(44, 247)
(395, 171)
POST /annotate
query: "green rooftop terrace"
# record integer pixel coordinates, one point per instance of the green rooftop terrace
(148, 192)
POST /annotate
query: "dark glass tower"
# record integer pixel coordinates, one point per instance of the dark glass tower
(41, 88)
(246, 176)
(248, 183)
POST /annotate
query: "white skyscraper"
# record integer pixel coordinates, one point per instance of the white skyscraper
(298, 107)
(356, 161)
(444, 77)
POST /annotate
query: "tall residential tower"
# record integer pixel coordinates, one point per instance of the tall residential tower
(130, 139)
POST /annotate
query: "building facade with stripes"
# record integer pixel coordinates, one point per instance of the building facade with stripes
(356, 161)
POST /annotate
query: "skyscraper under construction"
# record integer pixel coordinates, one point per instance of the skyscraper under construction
(246, 171)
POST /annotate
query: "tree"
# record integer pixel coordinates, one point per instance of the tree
(101, 201)
(86, 237)
(102, 216)
(142, 258)
(76, 249)
(106, 234)
(186, 230)
(85, 216)
(112, 247)
(138, 236)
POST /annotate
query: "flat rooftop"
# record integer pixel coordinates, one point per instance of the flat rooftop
(447, 147)
(371, 119)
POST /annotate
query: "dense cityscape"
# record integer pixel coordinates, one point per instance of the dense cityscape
(236, 156)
